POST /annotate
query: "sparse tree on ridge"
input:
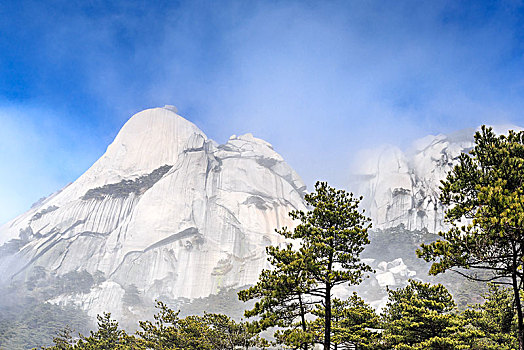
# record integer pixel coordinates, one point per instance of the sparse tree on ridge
(485, 197)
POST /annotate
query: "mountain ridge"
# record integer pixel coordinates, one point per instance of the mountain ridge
(167, 213)
(165, 210)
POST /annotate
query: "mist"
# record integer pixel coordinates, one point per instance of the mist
(320, 81)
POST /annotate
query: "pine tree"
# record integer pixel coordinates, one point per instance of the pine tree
(495, 318)
(107, 337)
(485, 198)
(208, 332)
(168, 331)
(421, 317)
(331, 237)
(354, 323)
(283, 300)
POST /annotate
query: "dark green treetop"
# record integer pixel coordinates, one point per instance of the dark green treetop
(283, 299)
(496, 318)
(353, 323)
(211, 331)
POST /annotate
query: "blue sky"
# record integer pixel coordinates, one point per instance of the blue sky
(318, 79)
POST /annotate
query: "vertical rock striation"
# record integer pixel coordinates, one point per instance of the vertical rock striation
(165, 210)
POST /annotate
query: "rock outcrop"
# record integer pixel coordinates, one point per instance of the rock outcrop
(165, 212)
(402, 188)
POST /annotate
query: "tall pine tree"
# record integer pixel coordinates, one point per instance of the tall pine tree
(331, 237)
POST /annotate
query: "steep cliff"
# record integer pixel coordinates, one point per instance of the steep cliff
(164, 213)
(402, 187)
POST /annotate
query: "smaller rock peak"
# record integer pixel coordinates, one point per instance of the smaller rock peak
(248, 137)
(251, 139)
(171, 108)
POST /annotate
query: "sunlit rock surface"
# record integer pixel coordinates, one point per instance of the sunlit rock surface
(387, 275)
(165, 210)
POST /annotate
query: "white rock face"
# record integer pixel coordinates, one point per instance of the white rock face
(387, 275)
(112, 293)
(164, 209)
(393, 273)
(403, 188)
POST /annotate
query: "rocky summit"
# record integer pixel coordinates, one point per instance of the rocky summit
(165, 213)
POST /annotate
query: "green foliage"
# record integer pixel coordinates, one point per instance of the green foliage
(44, 285)
(225, 299)
(485, 195)
(64, 339)
(76, 282)
(331, 237)
(354, 323)
(421, 316)
(496, 318)
(32, 323)
(282, 297)
(225, 333)
(107, 337)
(296, 295)
(399, 242)
(167, 332)
(418, 317)
(211, 331)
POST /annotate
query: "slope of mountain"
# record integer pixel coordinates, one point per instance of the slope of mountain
(164, 213)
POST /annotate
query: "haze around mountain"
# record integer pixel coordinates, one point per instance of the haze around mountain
(318, 80)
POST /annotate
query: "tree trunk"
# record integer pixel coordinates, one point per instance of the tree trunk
(327, 303)
(519, 314)
(303, 318)
(518, 303)
(327, 318)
